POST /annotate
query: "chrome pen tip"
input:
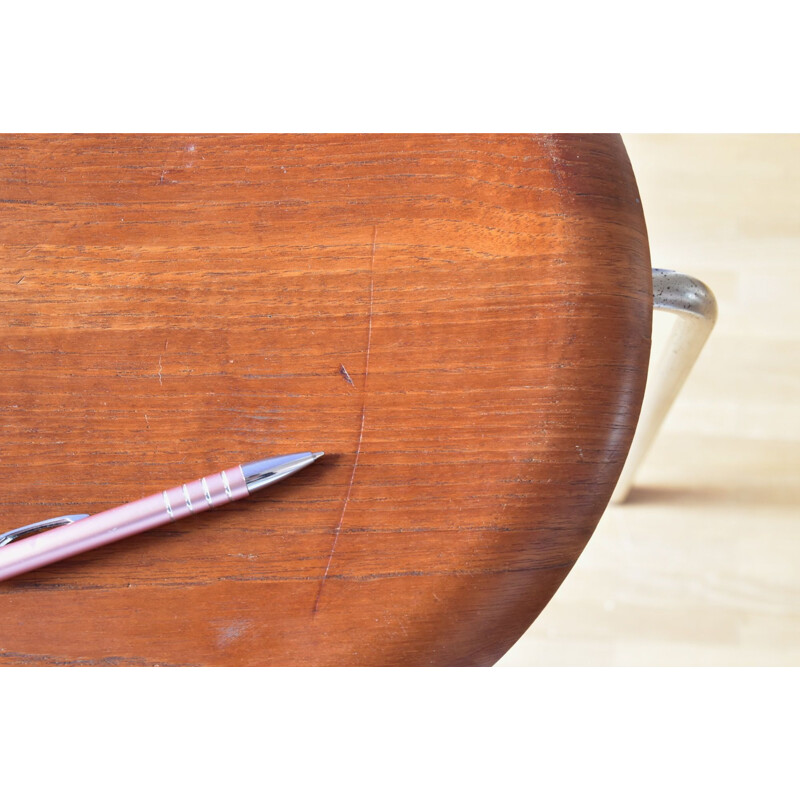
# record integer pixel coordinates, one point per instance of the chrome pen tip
(258, 474)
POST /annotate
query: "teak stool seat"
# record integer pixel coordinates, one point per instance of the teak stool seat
(461, 322)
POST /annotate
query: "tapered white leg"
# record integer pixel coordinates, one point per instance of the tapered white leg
(695, 308)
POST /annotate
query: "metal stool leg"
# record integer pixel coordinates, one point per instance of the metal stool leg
(695, 306)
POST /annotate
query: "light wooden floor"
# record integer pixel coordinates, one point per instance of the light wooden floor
(702, 565)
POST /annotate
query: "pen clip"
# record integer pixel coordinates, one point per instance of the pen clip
(38, 527)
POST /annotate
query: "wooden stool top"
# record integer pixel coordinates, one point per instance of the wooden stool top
(462, 323)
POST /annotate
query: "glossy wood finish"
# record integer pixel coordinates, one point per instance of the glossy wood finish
(461, 322)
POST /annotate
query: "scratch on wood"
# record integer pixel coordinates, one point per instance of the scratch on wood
(163, 177)
(361, 426)
(230, 632)
(160, 377)
(345, 374)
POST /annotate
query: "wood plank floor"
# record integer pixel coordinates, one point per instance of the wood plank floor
(702, 565)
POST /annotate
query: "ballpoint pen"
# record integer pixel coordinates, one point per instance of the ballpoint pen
(33, 546)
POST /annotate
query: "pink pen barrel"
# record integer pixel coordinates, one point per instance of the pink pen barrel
(117, 523)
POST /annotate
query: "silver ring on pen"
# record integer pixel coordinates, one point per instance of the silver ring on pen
(206, 492)
(168, 506)
(187, 498)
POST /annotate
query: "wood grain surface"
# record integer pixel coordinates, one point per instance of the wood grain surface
(461, 322)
